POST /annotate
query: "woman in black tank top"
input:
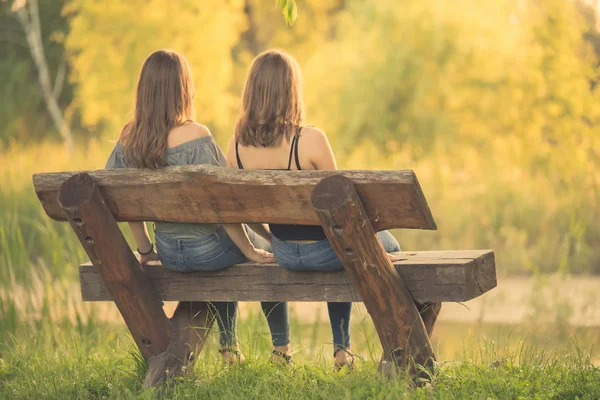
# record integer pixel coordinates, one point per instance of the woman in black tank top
(288, 231)
(268, 133)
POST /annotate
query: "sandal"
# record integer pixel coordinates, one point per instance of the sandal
(231, 355)
(350, 364)
(278, 357)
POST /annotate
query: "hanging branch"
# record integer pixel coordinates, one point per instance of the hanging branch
(289, 10)
(59, 80)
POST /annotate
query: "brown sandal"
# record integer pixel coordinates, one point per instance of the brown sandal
(237, 358)
(350, 364)
(279, 357)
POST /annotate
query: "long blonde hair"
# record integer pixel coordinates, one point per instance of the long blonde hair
(163, 100)
(272, 106)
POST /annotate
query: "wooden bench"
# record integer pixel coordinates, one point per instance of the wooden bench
(403, 298)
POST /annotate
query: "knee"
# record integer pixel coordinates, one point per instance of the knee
(394, 249)
(389, 242)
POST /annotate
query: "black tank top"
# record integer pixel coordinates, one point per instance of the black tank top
(290, 231)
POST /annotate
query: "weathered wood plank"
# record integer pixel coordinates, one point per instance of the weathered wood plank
(110, 254)
(430, 276)
(398, 323)
(191, 324)
(429, 314)
(209, 194)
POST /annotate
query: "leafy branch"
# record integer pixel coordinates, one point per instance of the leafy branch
(289, 10)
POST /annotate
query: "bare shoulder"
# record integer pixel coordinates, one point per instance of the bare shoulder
(312, 136)
(315, 150)
(186, 132)
(312, 133)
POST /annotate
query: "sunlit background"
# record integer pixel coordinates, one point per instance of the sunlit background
(493, 103)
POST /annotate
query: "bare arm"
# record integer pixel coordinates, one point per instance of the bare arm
(231, 154)
(238, 233)
(321, 157)
(316, 145)
(239, 236)
(143, 242)
(262, 230)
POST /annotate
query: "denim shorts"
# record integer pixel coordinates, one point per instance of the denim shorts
(206, 253)
(319, 256)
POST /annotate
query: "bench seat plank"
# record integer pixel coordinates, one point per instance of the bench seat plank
(430, 276)
(210, 194)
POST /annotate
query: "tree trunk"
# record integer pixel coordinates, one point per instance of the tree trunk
(28, 16)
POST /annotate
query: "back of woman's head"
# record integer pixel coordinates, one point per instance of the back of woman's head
(163, 100)
(272, 106)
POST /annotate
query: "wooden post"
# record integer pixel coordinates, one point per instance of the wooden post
(192, 322)
(108, 250)
(429, 314)
(403, 336)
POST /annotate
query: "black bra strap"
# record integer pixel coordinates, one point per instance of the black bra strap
(296, 149)
(237, 155)
(292, 146)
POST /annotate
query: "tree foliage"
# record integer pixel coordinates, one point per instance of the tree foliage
(496, 98)
(289, 10)
(107, 46)
(493, 102)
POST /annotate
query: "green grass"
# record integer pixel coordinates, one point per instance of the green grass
(54, 346)
(67, 361)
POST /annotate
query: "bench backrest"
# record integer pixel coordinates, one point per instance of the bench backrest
(350, 206)
(209, 194)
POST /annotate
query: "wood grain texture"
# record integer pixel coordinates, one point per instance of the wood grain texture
(191, 324)
(430, 276)
(400, 328)
(429, 314)
(210, 194)
(110, 254)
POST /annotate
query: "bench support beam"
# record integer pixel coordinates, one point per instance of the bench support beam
(191, 322)
(108, 250)
(399, 325)
(429, 314)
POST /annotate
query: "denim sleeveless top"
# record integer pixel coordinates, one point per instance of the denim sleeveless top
(203, 150)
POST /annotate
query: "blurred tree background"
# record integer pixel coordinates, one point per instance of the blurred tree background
(493, 103)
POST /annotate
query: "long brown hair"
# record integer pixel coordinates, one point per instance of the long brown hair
(272, 106)
(163, 100)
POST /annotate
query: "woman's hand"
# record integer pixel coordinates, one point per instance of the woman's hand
(393, 258)
(143, 242)
(238, 234)
(146, 258)
(260, 256)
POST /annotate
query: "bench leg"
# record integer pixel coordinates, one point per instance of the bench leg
(103, 241)
(429, 313)
(400, 328)
(192, 322)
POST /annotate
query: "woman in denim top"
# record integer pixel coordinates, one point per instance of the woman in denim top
(162, 133)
